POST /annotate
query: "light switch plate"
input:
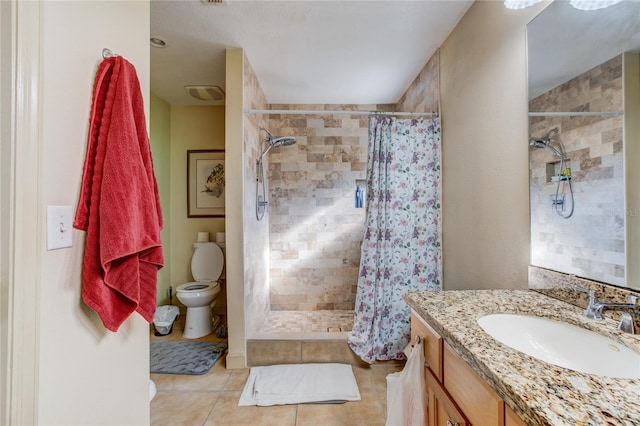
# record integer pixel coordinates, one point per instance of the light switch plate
(59, 227)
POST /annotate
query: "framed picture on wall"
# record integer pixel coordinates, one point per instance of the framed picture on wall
(205, 183)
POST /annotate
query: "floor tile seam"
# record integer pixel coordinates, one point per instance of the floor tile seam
(226, 382)
(295, 419)
(213, 406)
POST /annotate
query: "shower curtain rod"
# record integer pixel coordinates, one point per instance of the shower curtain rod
(345, 112)
(575, 114)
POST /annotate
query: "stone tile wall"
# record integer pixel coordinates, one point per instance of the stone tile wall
(423, 94)
(256, 234)
(590, 244)
(315, 231)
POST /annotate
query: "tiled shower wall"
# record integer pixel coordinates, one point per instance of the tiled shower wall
(423, 94)
(590, 244)
(315, 231)
(256, 234)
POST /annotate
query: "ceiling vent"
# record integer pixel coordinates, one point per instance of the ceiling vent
(215, 2)
(205, 93)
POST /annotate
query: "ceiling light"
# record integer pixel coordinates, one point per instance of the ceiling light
(205, 93)
(157, 41)
(593, 4)
(519, 4)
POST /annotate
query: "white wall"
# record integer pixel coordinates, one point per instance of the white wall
(485, 182)
(87, 375)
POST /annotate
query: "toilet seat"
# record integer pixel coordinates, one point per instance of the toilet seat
(198, 286)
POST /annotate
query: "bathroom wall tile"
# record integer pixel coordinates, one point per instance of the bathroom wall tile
(328, 158)
(266, 352)
(256, 234)
(227, 413)
(423, 93)
(329, 351)
(320, 215)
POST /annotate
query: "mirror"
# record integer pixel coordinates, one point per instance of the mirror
(582, 201)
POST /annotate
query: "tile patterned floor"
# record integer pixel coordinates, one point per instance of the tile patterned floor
(212, 399)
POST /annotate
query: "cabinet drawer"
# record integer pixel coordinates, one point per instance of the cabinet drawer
(477, 400)
(432, 343)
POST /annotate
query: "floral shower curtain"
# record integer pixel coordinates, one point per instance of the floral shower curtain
(401, 249)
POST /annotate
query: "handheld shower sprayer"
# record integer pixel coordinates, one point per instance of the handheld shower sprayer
(546, 141)
(271, 142)
(563, 175)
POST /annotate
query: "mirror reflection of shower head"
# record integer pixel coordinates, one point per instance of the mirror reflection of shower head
(546, 142)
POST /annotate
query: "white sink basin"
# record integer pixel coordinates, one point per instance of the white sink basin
(563, 344)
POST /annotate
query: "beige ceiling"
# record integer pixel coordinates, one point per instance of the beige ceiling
(306, 52)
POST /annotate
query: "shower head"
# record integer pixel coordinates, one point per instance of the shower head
(538, 142)
(283, 141)
(276, 142)
(546, 141)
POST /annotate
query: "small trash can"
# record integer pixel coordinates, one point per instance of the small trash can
(164, 318)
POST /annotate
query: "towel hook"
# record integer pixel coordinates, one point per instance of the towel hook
(107, 53)
(418, 338)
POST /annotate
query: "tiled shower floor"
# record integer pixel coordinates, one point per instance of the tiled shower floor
(310, 321)
(290, 325)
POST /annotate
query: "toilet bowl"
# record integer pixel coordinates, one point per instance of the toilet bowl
(199, 295)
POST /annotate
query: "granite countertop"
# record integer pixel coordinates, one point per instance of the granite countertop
(540, 393)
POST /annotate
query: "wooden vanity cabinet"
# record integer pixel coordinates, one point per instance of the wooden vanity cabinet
(476, 398)
(511, 418)
(442, 410)
(432, 344)
(455, 393)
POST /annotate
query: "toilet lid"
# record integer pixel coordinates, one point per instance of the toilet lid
(207, 262)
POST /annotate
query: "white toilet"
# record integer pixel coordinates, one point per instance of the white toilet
(199, 296)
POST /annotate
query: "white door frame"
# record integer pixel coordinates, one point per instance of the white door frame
(20, 193)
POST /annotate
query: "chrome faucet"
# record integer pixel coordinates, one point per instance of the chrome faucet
(595, 309)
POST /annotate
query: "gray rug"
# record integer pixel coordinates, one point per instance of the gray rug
(184, 357)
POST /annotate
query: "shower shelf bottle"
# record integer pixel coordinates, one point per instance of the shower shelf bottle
(358, 197)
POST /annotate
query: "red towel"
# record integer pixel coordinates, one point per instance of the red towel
(119, 205)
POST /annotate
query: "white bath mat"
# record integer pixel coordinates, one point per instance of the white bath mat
(299, 384)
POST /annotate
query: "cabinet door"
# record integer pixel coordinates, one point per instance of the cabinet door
(479, 402)
(511, 418)
(449, 417)
(443, 411)
(432, 344)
